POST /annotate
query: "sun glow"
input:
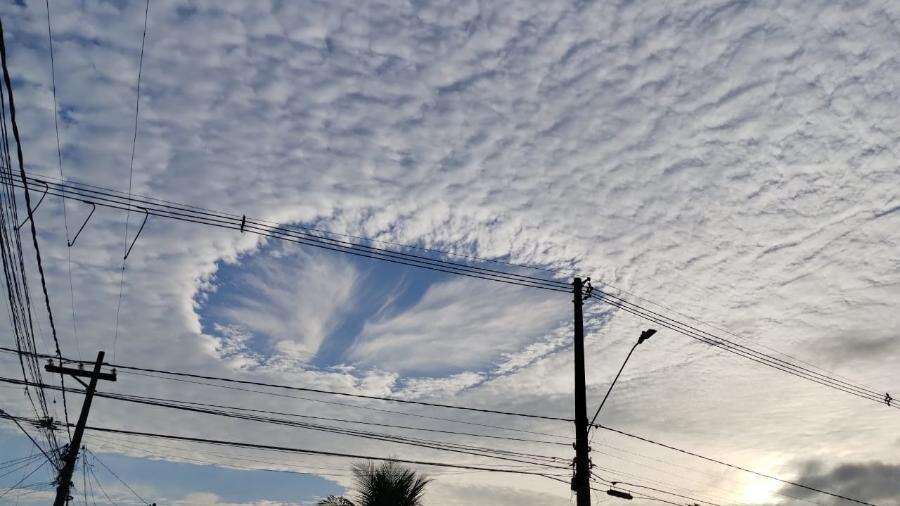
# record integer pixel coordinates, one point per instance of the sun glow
(759, 490)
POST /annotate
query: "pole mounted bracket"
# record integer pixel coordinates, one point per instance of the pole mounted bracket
(93, 208)
(46, 423)
(146, 215)
(588, 289)
(34, 210)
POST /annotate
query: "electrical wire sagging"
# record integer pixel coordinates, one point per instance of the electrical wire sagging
(192, 214)
(21, 313)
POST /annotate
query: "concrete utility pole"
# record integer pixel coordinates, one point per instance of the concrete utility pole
(581, 482)
(64, 480)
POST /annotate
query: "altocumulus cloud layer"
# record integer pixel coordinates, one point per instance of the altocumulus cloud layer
(733, 161)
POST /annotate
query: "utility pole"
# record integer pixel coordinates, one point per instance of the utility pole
(581, 481)
(64, 480)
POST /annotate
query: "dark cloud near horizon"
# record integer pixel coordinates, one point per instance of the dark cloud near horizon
(867, 481)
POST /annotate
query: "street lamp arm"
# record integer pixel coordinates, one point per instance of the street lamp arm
(612, 385)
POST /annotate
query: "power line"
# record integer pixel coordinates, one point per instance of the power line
(84, 487)
(65, 217)
(481, 451)
(97, 459)
(108, 444)
(312, 390)
(14, 487)
(137, 108)
(321, 401)
(343, 394)
(726, 464)
(99, 485)
(737, 349)
(16, 419)
(377, 424)
(351, 421)
(617, 431)
(228, 461)
(617, 484)
(323, 232)
(17, 460)
(726, 331)
(20, 311)
(61, 176)
(744, 351)
(423, 443)
(192, 214)
(19, 465)
(256, 446)
(594, 479)
(494, 453)
(19, 157)
(652, 489)
(681, 478)
(711, 339)
(667, 485)
(180, 212)
(346, 405)
(189, 214)
(223, 460)
(119, 366)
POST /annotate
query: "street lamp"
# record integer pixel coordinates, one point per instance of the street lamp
(618, 493)
(643, 337)
(646, 335)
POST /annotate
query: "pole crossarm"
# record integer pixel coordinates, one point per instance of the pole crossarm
(64, 479)
(80, 373)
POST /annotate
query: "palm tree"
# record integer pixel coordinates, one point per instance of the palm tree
(388, 484)
(335, 501)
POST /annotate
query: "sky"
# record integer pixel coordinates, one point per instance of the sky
(730, 163)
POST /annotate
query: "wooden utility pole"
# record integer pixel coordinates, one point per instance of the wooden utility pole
(64, 480)
(581, 482)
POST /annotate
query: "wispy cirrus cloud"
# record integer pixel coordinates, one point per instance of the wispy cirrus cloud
(458, 324)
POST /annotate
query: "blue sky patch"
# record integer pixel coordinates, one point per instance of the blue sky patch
(173, 480)
(378, 290)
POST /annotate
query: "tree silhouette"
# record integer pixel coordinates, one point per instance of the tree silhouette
(335, 501)
(387, 484)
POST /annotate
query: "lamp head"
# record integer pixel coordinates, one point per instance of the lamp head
(646, 335)
(618, 493)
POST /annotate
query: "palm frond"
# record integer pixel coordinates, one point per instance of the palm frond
(335, 501)
(388, 484)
